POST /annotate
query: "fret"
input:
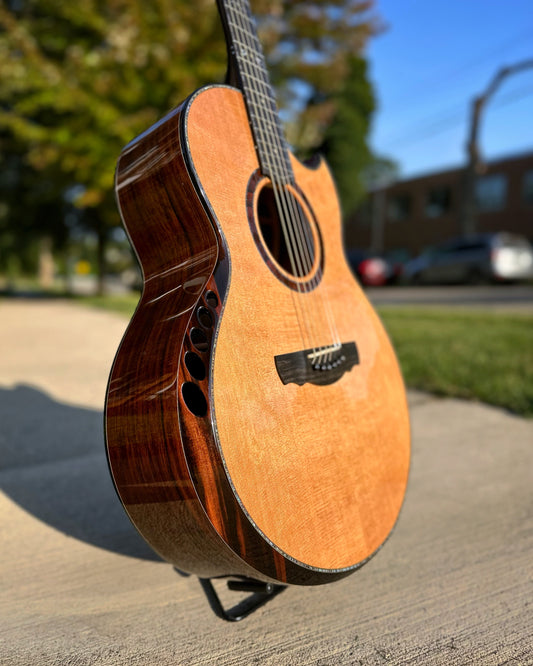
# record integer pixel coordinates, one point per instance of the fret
(244, 50)
(266, 97)
(249, 62)
(264, 136)
(271, 131)
(246, 15)
(253, 42)
(265, 84)
(253, 38)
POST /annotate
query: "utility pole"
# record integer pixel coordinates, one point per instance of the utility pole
(474, 163)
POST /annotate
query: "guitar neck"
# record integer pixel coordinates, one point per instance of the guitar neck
(248, 71)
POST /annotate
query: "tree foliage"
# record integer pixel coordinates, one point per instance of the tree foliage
(310, 48)
(345, 145)
(78, 80)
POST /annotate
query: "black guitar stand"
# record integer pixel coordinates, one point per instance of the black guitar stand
(259, 594)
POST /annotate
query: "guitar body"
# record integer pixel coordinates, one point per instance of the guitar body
(226, 461)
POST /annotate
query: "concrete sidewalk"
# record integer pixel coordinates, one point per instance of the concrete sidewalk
(78, 586)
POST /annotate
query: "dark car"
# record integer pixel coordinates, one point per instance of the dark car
(474, 259)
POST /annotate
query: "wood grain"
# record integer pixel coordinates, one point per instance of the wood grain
(178, 251)
(321, 471)
(286, 483)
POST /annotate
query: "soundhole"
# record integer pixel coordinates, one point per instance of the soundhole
(286, 230)
(199, 339)
(195, 365)
(194, 399)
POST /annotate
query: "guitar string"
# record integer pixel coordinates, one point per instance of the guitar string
(281, 206)
(295, 258)
(282, 203)
(303, 241)
(299, 268)
(298, 214)
(298, 237)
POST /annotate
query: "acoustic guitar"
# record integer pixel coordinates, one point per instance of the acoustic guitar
(256, 419)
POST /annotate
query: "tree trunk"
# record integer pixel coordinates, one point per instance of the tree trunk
(46, 263)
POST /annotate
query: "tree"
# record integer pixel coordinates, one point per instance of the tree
(31, 215)
(345, 139)
(79, 80)
(310, 48)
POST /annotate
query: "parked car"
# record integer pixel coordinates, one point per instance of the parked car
(371, 269)
(474, 259)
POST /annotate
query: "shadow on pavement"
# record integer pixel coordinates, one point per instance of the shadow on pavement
(53, 464)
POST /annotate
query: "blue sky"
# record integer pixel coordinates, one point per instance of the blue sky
(433, 57)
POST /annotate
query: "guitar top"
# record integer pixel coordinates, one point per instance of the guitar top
(256, 420)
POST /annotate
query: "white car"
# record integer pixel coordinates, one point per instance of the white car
(474, 259)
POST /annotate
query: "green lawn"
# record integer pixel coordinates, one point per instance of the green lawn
(468, 354)
(124, 304)
(479, 355)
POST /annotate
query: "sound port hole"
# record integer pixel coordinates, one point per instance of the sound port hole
(205, 317)
(194, 399)
(195, 365)
(211, 299)
(199, 339)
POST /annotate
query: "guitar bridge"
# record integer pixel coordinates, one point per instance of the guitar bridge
(321, 366)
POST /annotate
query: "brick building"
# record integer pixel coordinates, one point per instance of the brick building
(412, 214)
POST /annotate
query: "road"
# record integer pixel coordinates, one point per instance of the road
(501, 297)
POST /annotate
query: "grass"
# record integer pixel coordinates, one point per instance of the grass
(477, 355)
(123, 303)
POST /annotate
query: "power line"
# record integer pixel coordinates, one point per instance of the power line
(450, 120)
(458, 73)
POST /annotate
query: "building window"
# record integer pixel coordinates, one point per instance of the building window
(527, 187)
(399, 207)
(438, 201)
(491, 192)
